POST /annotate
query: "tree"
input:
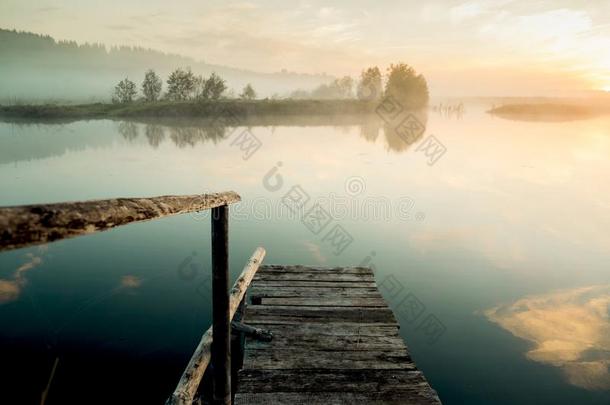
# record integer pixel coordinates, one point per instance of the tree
(124, 92)
(344, 87)
(213, 88)
(248, 93)
(338, 89)
(370, 86)
(151, 86)
(180, 84)
(407, 86)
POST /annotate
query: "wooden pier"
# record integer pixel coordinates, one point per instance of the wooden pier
(335, 341)
(312, 335)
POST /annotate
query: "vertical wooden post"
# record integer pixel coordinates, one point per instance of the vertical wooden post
(221, 318)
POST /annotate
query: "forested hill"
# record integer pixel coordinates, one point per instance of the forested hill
(39, 67)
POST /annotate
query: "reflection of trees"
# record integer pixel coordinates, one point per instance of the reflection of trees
(400, 132)
(190, 136)
(128, 130)
(181, 135)
(370, 130)
(155, 134)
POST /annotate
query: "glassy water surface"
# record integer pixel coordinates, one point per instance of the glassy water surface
(495, 259)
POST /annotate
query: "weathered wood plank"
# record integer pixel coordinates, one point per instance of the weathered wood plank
(331, 301)
(355, 342)
(337, 329)
(36, 224)
(302, 292)
(319, 283)
(332, 398)
(278, 313)
(398, 381)
(315, 276)
(270, 268)
(303, 358)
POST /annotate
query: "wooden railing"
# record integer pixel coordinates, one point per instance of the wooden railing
(37, 224)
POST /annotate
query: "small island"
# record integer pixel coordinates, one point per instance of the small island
(550, 111)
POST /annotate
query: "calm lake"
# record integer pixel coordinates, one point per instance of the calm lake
(502, 245)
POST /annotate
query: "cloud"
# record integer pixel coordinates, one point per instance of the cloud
(569, 329)
(120, 27)
(49, 9)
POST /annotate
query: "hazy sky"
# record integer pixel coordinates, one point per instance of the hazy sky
(480, 47)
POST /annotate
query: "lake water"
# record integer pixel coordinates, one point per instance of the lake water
(496, 258)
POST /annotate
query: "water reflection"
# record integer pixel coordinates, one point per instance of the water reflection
(189, 133)
(12, 287)
(183, 133)
(570, 330)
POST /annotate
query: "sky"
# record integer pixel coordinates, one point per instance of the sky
(480, 47)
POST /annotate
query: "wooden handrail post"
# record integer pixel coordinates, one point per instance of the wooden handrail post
(221, 317)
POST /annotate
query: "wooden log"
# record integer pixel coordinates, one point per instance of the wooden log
(191, 378)
(221, 317)
(36, 224)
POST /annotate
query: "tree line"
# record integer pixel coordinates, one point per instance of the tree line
(182, 84)
(401, 82)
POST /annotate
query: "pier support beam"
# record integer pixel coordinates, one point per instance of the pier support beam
(221, 318)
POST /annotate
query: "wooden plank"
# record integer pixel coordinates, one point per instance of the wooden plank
(354, 342)
(337, 329)
(315, 276)
(36, 224)
(266, 269)
(191, 378)
(296, 358)
(293, 283)
(332, 398)
(331, 301)
(284, 313)
(282, 291)
(399, 381)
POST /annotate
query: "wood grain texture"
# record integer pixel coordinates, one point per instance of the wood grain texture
(335, 342)
(37, 224)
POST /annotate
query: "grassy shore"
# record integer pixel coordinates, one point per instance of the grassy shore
(186, 109)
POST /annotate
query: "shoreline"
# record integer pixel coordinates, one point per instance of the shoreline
(228, 110)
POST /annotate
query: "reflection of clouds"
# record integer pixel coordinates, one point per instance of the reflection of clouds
(570, 330)
(130, 281)
(315, 251)
(10, 289)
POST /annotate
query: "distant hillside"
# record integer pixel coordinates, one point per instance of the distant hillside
(39, 67)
